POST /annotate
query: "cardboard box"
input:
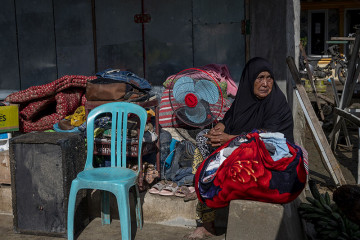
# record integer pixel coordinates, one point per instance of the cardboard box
(5, 177)
(9, 118)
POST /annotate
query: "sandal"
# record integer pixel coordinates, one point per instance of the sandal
(190, 197)
(150, 173)
(157, 187)
(169, 189)
(184, 190)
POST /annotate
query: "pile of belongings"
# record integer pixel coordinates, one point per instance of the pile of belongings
(40, 107)
(59, 105)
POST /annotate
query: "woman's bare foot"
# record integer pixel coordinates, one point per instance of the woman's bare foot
(202, 233)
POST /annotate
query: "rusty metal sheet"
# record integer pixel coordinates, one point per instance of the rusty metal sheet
(74, 37)
(36, 39)
(119, 40)
(9, 65)
(168, 38)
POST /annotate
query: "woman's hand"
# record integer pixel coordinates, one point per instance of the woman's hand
(220, 127)
(217, 137)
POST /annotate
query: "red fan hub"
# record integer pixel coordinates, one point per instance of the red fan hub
(191, 100)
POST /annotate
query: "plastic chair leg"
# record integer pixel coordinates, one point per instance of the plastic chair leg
(71, 210)
(105, 207)
(138, 209)
(122, 197)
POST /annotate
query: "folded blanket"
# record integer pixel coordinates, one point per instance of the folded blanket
(40, 107)
(250, 173)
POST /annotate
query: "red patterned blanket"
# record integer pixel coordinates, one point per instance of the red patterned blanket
(251, 173)
(40, 107)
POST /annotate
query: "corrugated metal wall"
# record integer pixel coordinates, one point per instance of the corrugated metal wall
(42, 40)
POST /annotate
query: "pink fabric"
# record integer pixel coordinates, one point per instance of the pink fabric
(219, 72)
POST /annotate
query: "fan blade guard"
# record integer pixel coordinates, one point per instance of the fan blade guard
(207, 91)
(182, 87)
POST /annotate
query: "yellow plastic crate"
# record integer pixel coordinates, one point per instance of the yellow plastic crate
(9, 118)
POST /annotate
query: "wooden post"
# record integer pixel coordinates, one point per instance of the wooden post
(350, 83)
(358, 172)
(343, 124)
(328, 157)
(311, 80)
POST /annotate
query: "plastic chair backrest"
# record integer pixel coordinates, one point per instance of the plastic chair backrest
(119, 118)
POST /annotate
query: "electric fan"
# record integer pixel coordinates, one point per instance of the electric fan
(196, 99)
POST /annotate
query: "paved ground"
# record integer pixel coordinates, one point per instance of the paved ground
(95, 231)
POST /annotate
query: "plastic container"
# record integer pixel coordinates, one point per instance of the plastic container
(4, 141)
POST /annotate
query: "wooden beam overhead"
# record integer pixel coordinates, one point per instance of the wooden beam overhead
(328, 5)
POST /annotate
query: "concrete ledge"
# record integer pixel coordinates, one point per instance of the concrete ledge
(5, 200)
(265, 221)
(169, 210)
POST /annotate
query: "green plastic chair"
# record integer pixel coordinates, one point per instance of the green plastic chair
(116, 179)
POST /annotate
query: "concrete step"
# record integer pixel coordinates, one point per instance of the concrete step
(242, 220)
(5, 199)
(167, 210)
(266, 221)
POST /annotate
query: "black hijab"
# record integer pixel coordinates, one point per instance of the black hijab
(247, 112)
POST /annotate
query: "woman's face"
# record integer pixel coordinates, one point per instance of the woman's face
(263, 85)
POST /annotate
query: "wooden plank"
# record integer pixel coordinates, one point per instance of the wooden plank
(342, 38)
(348, 116)
(322, 138)
(328, 157)
(358, 175)
(351, 78)
(337, 42)
(350, 83)
(326, 99)
(311, 80)
(343, 124)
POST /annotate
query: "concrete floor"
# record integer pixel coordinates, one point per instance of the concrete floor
(95, 231)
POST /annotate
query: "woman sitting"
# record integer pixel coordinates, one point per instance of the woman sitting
(259, 104)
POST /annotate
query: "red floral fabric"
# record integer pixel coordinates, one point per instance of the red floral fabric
(40, 107)
(250, 173)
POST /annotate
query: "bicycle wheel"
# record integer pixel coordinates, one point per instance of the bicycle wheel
(341, 73)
